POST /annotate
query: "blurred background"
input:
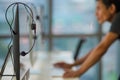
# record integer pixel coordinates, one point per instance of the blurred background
(61, 24)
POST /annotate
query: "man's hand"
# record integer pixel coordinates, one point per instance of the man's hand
(71, 74)
(63, 65)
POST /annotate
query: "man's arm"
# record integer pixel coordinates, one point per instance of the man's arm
(81, 60)
(69, 66)
(98, 52)
(94, 56)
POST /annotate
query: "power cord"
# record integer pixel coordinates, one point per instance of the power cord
(12, 63)
(5, 62)
(10, 25)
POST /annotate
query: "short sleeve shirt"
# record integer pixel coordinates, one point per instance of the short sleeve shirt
(115, 27)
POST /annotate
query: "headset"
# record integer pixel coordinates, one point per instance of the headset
(33, 25)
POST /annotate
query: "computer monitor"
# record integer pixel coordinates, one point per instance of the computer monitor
(16, 50)
(16, 45)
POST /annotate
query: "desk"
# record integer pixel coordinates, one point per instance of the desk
(45, 62)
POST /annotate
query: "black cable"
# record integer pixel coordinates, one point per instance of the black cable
(13, 13)
(10, 25)
(29, 14)
(9, 51)
(12, 63)
(26, 6)
(11, 39)
(32, 46)
(13, 67)
(6, 59)
(10, 28)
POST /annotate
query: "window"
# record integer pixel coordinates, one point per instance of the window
(74, 17)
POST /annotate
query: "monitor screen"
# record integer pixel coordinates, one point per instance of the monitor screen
(16, 46)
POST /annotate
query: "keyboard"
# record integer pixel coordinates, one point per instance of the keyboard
(56, 72)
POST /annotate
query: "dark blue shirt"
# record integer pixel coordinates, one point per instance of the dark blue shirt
(115, 27)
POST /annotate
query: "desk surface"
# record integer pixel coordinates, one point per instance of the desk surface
(42, 68)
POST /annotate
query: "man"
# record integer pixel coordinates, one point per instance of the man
(106, 10)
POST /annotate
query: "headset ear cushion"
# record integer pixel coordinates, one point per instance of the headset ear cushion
(23, 53)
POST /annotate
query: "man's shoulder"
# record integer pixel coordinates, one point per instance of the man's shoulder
(117, 16)
(115, 27)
